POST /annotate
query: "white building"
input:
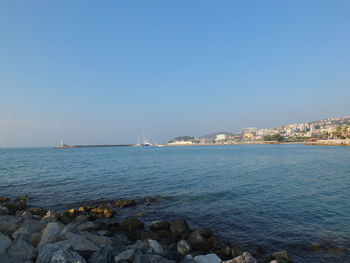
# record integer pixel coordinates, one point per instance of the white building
(221, 137)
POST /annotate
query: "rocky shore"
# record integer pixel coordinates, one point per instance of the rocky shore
(97, 234)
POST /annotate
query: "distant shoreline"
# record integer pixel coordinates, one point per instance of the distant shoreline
(92, 146)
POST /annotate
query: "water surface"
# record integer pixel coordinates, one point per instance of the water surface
(275, 196)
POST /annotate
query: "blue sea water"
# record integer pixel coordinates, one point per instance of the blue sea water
(275, 196)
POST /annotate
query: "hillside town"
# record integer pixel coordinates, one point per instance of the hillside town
(326, 129)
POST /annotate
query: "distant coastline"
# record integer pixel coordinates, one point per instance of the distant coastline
(91, 146)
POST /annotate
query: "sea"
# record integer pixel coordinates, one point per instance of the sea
(278, 197)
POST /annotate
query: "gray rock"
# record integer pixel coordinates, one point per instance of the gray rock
(4, 210)
(7, 228)
(209, 258)
(81, 244)
(28, 229)
(27, 215)
(11, 219)
(87, 226)
(66, 256)
(80, 219)
(102, 255)
(245, 258)
(140, 246)
(126, 255)
(47, 250)
(21, 250)
(97, 239)
(155, 259)
(154, 246)
(51, 233)
(5, 242)
(188, 259)
(59, 252)
(183, 248)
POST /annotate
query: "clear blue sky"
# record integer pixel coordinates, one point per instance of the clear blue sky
(104, 72)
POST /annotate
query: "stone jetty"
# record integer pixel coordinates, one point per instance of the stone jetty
(97, 234)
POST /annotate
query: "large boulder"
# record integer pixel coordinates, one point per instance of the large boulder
(5, 242)
(154, 246)
(97, 239)
(66, 256)
(125, 203)
(209, 258)
(87, 226)
(21, 250)
(29, 231)
(102, 255)
(245, 258)
(81, 244)
(4, 210)
(183, 248)
(153, 259)
(51, 233)
(131, 224)
(7, 228)
(125, 256)
(59, 252)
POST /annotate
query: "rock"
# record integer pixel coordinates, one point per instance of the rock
(66, 256)
(59, 252)
(38, 211)
(280, 256)
(125, 203)
(245, 258)
(14, 207)
(5, 242)
(23, 198)
(80, 219)
(21, 250)
(188, 259)
(209, 258)
(97, 239)
(154, 259)
(131, 224)
(87, 226)
(183, 248)
(139, 245)
(28, 229)
(126, 255)
(50, 216)
(179, 226)
(103, 255)
(7, 228)
(154, 246)
(159, 225)
(81, 244)
(4, 210)
(199, 241)
(4, 199)
(273, 261)
(27, 215)
(51, 233)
